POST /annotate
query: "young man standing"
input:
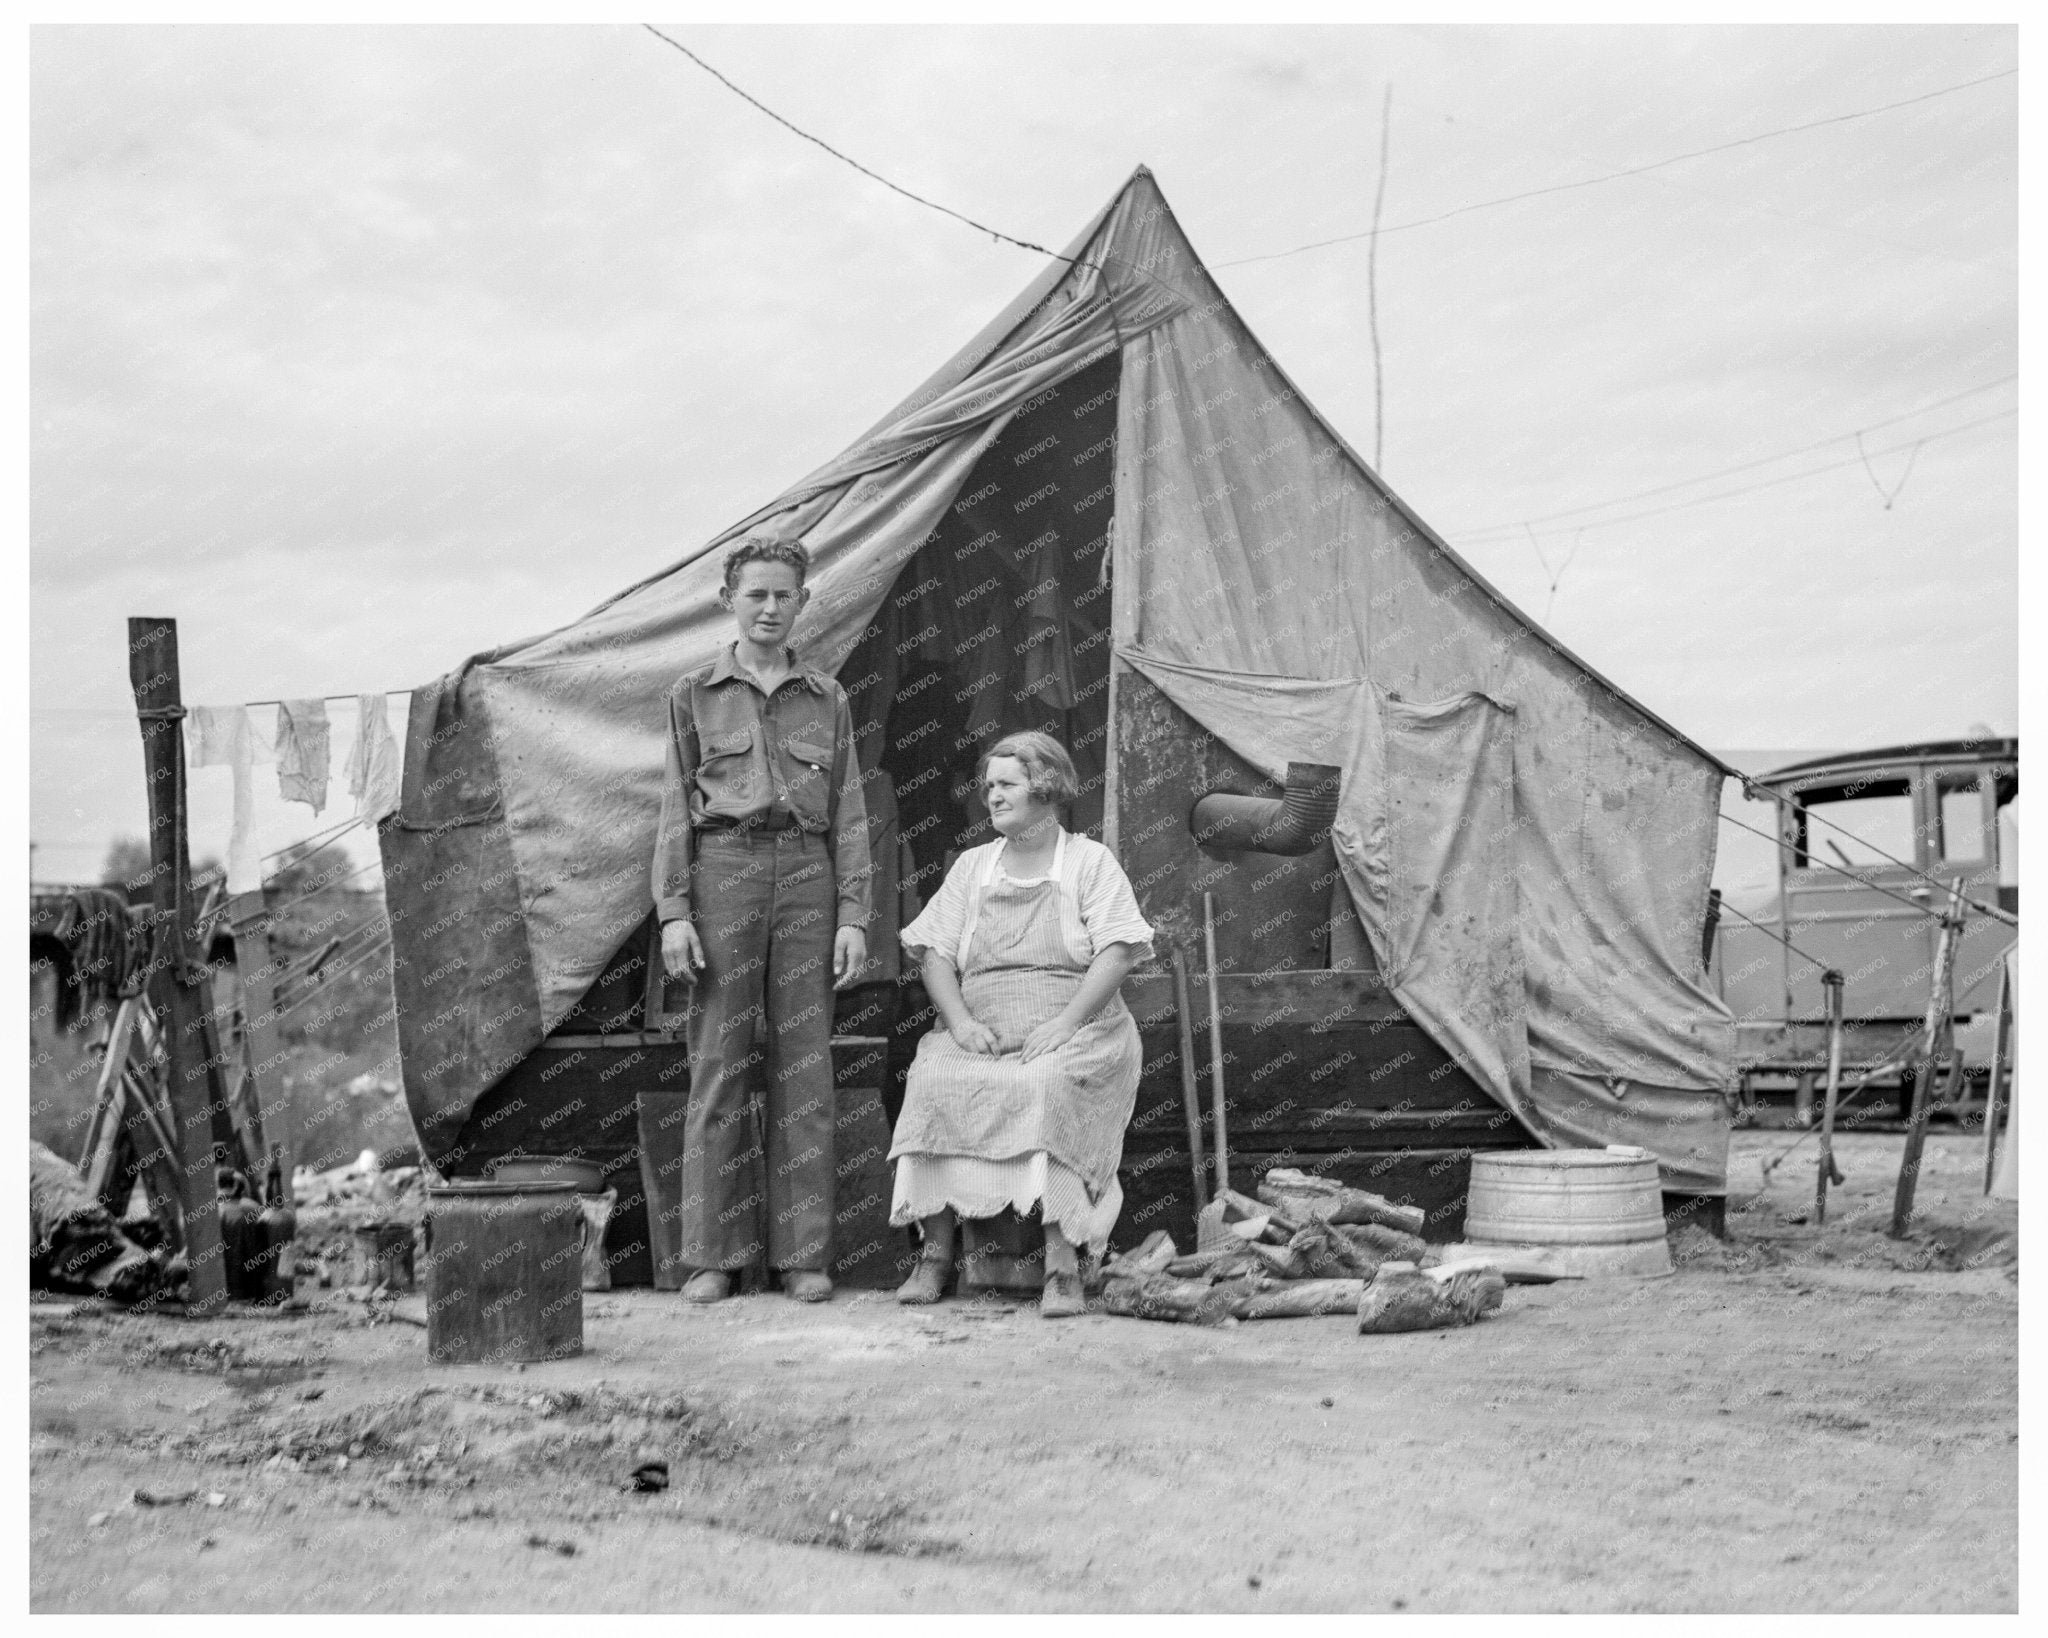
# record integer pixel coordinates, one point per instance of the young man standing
(761, 882)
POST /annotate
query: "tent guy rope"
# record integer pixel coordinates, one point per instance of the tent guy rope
(1759, 792)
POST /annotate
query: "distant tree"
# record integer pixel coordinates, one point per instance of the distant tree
(128, 869)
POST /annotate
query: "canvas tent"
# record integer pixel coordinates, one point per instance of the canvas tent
(1112, 515)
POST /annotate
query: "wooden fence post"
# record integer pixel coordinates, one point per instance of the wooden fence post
(2001, 1061)
(199, 1114)
(1940, 1026)
(1833, 982)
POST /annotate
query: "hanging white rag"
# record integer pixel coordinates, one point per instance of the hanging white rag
(220, 736)
(304, 752)
(374, 769)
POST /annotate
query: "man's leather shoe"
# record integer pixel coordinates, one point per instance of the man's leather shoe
(709, 1285)
(806, 1285)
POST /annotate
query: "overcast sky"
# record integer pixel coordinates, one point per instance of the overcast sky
(361, 350)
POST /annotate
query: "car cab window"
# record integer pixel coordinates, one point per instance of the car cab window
(1866, 824)
(1959, 813)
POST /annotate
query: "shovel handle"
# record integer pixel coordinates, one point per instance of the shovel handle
(1190, 1089)
(1216, 1044)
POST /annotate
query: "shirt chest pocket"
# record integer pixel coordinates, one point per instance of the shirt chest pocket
(808, 765)
(725, 767)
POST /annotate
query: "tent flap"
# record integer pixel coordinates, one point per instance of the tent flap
(461, 972)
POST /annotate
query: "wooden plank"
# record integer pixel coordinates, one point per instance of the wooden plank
(1309, 1071)
(107, 1109)
(667, 1038)
(867, 1254)
(1320, 999)
(198, 1106)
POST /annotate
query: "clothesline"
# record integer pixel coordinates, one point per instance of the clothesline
(128, 714)
(303, 749)
(389, 694)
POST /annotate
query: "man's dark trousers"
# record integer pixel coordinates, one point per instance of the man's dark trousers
(765, 906)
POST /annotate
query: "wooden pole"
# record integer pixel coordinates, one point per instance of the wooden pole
(255, 969)
(199, 1115)
(1216, 1044)
(1940, 1021)
(1190, 1088)
(1372, 288)
(1833, 982)
(2001, 1058)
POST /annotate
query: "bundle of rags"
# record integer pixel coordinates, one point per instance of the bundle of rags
(73, 1242)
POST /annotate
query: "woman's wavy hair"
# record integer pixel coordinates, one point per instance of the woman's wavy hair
(1048, 770)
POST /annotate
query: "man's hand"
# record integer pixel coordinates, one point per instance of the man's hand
(849, 955)
(681, 952)
(975, 1036)
(1050, 1036)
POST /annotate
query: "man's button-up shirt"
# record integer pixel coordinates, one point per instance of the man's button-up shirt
(736, 752)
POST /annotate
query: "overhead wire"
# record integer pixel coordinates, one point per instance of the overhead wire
(876, 176)
(1729, 471)
(1508, 533)
(1611, 176)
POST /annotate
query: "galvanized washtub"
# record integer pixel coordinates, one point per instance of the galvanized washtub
(1595, 1211)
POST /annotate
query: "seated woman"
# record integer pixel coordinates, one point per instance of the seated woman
(1020, 1094)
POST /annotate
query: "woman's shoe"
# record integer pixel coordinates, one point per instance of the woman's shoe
(1062, 1297)
(927, 1282)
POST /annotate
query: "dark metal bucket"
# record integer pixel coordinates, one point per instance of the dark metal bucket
(504, 1272)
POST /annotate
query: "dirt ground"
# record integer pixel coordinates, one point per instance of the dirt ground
(1799, 1419)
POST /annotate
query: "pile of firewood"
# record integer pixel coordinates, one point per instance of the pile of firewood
(1305, 1246)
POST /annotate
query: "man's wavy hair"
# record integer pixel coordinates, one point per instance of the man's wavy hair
(766, 549)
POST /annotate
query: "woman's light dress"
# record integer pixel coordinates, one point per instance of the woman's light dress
(979, 1133)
